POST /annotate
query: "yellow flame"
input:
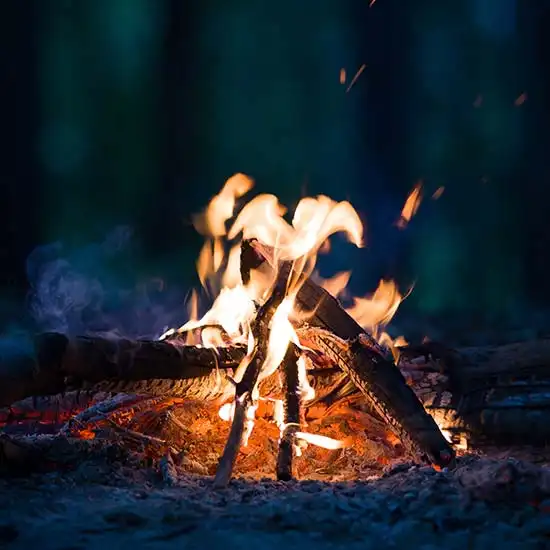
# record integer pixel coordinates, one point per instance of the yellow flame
(211, 222)
(232, 310)
(304, 387)
(315, 219)
(438, 192)
(459, 441)
(280, 335)
(320, 440)
(377, 310)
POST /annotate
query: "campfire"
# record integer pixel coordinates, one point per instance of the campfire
(277, 376)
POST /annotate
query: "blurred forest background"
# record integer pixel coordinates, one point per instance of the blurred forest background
(121, 118)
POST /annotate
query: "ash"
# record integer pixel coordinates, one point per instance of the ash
(112, 497)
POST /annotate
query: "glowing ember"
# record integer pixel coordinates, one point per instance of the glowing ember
(342, 76)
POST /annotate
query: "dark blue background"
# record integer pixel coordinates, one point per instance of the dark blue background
(130, 114)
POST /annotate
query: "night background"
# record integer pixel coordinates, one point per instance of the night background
(121, 118)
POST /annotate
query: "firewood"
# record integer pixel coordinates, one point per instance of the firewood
(362, 359)
(500, 393)
(291, 419)
(244, 389)
(60, 364)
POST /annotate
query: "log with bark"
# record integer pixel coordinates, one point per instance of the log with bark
(59, 364)
(492, 394)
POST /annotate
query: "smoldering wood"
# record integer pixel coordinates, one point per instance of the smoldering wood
(362, 359)
(53, 410)
(59, 364)
(97, 411)
(291, 419)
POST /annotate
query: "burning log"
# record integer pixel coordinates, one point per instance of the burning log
(291, 414)
(60, 364)
(360, 357)
(245, 388)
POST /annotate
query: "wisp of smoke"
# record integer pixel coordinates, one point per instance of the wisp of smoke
(93, 290)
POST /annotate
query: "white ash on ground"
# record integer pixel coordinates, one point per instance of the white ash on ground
(112, 498)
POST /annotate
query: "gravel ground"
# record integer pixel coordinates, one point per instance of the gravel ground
(106, 503)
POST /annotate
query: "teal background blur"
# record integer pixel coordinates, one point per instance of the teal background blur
(134, 112)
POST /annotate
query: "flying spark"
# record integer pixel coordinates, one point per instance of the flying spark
(354, 79)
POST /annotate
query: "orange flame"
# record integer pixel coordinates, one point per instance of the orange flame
(378, 309)
(411, 206)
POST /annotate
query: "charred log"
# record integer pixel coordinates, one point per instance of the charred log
(60, 364)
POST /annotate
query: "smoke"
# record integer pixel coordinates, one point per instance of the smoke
(98, 289)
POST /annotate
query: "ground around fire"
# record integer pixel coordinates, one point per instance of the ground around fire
(111, 499)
